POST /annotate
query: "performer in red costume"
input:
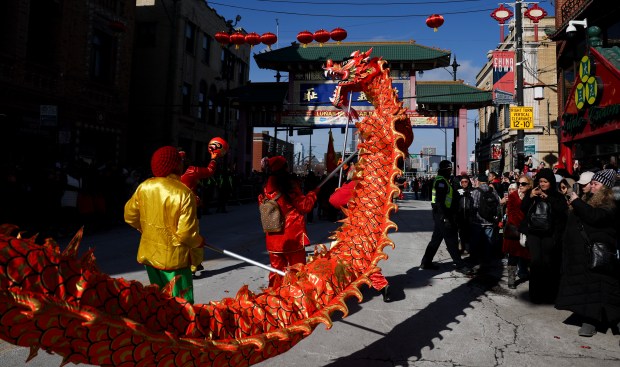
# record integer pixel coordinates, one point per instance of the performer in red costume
(339, 200)
(286, 247)
(192, 176)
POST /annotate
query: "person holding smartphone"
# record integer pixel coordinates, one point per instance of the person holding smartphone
(545, 211)
(592, 296)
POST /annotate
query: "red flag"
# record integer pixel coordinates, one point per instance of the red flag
(330, 159)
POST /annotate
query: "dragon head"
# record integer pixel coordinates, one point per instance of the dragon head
(355, 73)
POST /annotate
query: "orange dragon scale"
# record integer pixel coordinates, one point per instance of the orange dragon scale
(57, 302)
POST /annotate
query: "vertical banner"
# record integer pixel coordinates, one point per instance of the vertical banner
(503, 76)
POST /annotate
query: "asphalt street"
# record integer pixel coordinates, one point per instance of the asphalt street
(437, 317)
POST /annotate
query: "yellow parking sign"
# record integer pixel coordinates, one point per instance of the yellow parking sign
(521, 117)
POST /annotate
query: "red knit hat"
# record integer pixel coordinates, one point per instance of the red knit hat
(277, 163)
(165, 161)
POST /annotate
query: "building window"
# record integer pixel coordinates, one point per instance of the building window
(186, 92)
(206, 48)
(44, 29)
(220, 115)
(146, 34)
(202, 101)
(242, 69)
(190, 37)
(102, 57)
(211, 107)
(228, 65)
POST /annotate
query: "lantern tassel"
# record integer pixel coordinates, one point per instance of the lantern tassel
(435, 29)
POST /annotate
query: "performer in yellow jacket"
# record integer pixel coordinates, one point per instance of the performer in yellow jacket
(163, 209)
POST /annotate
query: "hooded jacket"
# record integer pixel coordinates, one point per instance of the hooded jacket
(559, 208)
(163, 209)
(294, 206)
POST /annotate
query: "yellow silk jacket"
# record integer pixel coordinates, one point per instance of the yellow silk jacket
(163, 209)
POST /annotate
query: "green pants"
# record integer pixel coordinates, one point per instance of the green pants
(184, 286)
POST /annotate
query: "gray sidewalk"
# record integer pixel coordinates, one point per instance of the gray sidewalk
(438, 318)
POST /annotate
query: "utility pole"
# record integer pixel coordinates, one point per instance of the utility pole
(455, 132)
(519, 77)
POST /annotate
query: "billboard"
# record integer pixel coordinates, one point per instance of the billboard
(503, 76)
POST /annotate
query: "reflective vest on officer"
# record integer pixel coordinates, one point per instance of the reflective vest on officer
(448, 201)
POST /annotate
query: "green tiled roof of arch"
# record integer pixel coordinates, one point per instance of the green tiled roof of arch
(287, 58)
(451, 93)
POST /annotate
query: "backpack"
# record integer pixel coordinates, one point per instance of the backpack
(271, 217)
(488, 206)
(539, 217)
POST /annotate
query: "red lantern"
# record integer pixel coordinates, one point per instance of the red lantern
(434, 21)
(338, 34)
(223, 38)
(321, 36)
(305, 37)
(237, 39)
(252, 39)
(269, 39)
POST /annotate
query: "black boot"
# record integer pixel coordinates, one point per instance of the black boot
(587, 330)
(512, 270)
(385, 291)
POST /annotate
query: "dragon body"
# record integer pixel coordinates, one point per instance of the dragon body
(53, 300)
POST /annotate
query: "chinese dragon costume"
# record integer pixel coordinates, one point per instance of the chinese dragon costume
(53, 300)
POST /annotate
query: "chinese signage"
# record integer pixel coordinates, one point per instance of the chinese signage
(311, 107)
(521, 117)
(586, 91)
(503, 75)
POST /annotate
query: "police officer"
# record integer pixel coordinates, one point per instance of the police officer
(445, 225)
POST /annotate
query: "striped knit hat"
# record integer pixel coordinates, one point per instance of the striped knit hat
(607, 177)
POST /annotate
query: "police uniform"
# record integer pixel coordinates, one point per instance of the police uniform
(445, 228)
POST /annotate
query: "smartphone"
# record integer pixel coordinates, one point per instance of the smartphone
(577, 189)
(505, 194)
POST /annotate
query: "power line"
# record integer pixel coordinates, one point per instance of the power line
(347, 16)
(369, 4)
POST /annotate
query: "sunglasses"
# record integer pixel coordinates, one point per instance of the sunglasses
(523, 183)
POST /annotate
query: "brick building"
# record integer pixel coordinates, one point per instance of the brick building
(496, 148)
(64, 81)
(181, 82)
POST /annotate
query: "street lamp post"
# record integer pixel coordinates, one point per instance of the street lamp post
(519, 81)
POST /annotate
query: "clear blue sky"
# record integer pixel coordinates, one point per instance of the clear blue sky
(468, 32)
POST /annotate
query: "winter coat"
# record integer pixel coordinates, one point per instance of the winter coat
(163, 209)
(514, 216)
(464, 213)
(476, 195)
(294, 206)
(581, 291)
